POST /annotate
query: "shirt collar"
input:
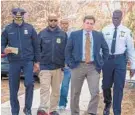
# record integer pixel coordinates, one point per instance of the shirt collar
(84, 31)
(18, 24)
(117, 27)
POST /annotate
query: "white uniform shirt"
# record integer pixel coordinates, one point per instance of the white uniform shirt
(124, 41)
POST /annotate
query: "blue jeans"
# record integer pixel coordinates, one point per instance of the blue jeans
(14, 83)
(65, 87)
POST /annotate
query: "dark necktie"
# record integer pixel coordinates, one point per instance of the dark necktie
(114, 41)
(87, 48)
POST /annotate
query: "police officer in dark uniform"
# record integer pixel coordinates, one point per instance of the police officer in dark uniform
(119, 40)
(19, 42)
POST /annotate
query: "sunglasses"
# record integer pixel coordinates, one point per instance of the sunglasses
(53, 20)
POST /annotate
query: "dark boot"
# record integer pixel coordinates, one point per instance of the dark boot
(27, 111)
(107, 109)
(107, 100)
(54, 113)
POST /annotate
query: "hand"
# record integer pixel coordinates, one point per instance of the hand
(132, 72)
(36, 67)
(7, 50)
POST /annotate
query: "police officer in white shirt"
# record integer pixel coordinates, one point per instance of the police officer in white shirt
(120, 42)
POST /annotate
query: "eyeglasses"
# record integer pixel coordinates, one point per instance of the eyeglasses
(53, 20)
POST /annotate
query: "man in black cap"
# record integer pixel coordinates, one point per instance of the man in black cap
(19, 42)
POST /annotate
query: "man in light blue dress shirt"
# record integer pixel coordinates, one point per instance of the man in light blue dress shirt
(64, 25)
(83, 57)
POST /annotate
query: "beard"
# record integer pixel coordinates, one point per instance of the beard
(52, 26)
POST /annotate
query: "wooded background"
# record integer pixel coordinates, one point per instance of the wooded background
(74, 10)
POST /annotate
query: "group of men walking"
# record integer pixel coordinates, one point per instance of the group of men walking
(60, 55)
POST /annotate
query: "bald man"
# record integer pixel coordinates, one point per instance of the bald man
(52, 42)
(64, 25)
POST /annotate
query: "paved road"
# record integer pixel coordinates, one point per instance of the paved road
(84, 99)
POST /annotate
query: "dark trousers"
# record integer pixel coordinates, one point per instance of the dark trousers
(114, 72)
(14, 82)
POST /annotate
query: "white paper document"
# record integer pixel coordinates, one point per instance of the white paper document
(14, 50)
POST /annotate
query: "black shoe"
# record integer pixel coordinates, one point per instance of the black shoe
(54, 113)
(92, 114)
(107, 109)
(27, 111)
(15, 114)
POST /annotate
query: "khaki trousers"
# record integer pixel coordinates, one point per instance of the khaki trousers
(78, 75)
(49, 78)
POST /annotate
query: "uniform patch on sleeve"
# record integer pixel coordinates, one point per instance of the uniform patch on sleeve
(3, 29)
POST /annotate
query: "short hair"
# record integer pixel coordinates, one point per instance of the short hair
(89, 17)
(64, 21)
(118, 11)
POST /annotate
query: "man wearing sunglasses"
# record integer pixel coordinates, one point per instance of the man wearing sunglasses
(52, 42)
(120, 43)
(19, 42)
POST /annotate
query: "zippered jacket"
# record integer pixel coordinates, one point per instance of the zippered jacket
(23, 37)
(52, 45)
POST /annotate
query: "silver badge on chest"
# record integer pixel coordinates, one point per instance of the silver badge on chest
(25, 31)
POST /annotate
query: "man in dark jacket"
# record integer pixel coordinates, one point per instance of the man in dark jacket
(19, 42)
(52, 41)
(84, 58)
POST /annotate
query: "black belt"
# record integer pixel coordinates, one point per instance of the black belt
(115, 56)
(91, 62)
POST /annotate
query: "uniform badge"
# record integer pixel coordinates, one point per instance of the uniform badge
(122, 34)
(58, 40)
(25, 31)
